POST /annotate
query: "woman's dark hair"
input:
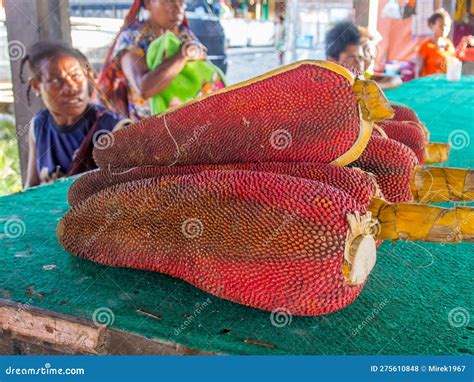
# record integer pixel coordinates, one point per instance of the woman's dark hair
(438, 14)
(339, 37)
(46, 50)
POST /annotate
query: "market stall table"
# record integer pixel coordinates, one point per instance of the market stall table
(417, 300)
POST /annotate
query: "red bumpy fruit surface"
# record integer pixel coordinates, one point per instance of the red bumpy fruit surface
(393, 165)
(356, 183)
(305, 114)
(255, 238)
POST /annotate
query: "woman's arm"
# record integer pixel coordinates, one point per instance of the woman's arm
(388, 82)
(148, 83)
(32, 178)
(420, 66)
(462, 46)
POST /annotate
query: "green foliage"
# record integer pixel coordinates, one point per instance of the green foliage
(10, 175)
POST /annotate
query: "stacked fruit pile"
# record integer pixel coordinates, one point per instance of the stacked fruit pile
(271, 193)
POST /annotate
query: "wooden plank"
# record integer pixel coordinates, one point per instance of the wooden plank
(47, 329)
(26, 329)
(30, 21)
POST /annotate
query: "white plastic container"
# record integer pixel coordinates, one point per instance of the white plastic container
(454, 69)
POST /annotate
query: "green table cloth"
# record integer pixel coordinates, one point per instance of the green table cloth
(418, 299)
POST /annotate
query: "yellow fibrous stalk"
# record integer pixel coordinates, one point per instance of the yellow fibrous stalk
(436, 152)
(411, 221)
(373, 103)
(441, 184)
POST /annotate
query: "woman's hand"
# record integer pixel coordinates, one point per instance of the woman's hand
(149, 83)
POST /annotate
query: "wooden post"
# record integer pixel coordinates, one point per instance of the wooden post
(366, 12)
(361, 8)
(30, 21)
(291, 23)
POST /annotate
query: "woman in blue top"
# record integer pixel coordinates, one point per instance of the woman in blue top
(62, 136)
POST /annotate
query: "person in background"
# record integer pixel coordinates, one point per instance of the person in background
(343, 45)
(435, 51)
(352, 46)
(369, 51)
(280, 38)
(126, 83)
(62, 136)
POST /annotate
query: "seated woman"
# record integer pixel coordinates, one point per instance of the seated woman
(127, 81)
(435, 51)
(62, 136)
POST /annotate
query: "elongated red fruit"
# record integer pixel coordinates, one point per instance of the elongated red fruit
(393, 165)
(408, 133)
(304, 112)
(358, 184)
(404, 113)
(260, 239)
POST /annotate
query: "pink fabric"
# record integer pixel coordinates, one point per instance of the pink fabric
(398, 42)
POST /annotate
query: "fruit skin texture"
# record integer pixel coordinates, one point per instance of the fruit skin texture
(303, 114)
(404, 113)
(410, 134)
(258, 239)
(393, 165)
(356, 183)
